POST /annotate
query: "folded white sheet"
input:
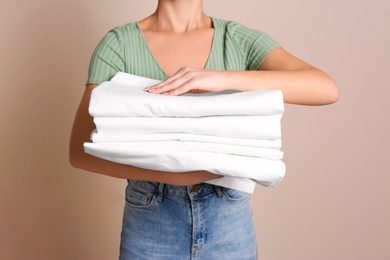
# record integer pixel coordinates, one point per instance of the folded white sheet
(241, 184)
(255, 127)
(266, 153)
(262, 171)
(124, 96)
(114, 137)
(133, 81)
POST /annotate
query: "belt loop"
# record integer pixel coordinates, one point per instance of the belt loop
(160, 191)
(218, 189)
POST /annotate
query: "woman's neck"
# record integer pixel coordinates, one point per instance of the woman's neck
(177, 16)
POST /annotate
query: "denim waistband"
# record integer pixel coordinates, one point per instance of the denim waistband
(176, 191)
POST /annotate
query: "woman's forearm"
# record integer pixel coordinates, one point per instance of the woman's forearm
(304, 87)
(93, 164)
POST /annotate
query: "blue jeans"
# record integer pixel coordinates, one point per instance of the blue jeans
(202, 221)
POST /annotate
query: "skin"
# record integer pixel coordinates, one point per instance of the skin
(180, 36)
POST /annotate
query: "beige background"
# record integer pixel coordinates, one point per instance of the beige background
(334, 200)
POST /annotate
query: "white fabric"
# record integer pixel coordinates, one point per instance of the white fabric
(115, 137)
(241, 184)
(124, 96)
(255, 127)
(237, 135)
(262, 171)
(133, 81)
(266, 153)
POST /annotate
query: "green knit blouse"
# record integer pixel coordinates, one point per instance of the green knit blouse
(124, 48)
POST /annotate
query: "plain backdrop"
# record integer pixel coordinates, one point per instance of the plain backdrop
(334, 200)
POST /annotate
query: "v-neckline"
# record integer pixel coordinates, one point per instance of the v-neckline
(213, 43)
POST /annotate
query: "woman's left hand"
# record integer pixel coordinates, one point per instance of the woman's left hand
(191, 80)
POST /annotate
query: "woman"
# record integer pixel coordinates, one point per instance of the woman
(174, 215)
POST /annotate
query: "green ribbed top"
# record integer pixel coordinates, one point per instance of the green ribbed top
(124, 48)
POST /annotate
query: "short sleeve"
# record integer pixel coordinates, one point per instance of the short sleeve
(107, 59)
(254, 45)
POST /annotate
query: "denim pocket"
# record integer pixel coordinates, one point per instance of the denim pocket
(234, 195)
(140, 196)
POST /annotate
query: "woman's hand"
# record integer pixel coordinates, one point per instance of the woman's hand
(191, 80)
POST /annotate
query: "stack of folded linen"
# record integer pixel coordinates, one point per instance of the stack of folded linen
(237, 135)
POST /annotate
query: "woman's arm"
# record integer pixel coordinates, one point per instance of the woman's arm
(83, 126)
(300, 82)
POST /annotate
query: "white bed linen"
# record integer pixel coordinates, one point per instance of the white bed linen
(147, 117)
(241, 184)
(124, 96)
(255, 127)
(266, 153)
(114, 137)
(262, 171)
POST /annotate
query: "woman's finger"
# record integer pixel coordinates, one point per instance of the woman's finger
(183, 88)
(173, 84)
(198, 91)
(180, 73)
